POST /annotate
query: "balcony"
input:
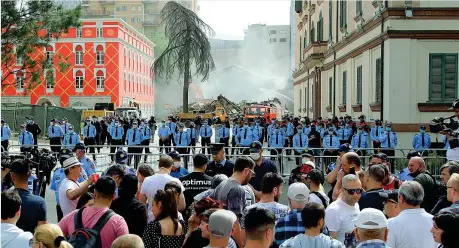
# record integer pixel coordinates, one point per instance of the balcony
(106, 1)
(150, 23)
(98, 13)
(314, 53)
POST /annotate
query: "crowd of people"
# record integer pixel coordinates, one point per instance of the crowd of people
(222, 203)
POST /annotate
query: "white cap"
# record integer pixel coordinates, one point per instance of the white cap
(70, 162)
(370, 218)
(298, 192)
(311, 164)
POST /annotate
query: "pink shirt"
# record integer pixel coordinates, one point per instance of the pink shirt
(114, 228)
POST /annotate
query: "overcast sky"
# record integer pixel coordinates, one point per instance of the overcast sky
(229, 18)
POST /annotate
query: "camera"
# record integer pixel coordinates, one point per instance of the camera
(446, 126)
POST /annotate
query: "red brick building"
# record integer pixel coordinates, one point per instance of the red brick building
(109, 63)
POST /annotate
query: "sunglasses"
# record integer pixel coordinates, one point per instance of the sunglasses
(354, 191)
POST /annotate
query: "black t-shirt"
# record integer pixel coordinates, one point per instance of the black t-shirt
(214, 169)
(195, 183)
(134, 213)
(33, 209)
(315, 143)
(266, 166)
(196, 240)
(372, 199)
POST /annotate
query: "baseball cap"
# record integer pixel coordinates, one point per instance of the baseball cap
(174, 154)
(221, 223)
(345, 148)
(370, 218)
(121, 156)
(70, 162)
(390, 195)
(215, 148)
(255, 147)
(79, 146)
(298, 192)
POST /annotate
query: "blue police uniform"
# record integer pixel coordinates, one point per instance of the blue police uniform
(146, 132)
(55, 134)
(445, 141)
(65, 127)
(246, 136)
(134, 137)
(25, 139)
(300, 142)
(71, 139)
(307, 130)
(224, 134)
(359, 141)
(259, 129)
(182, 138)
(270, 129)
(277, 139)
(289, 129)
(206, 133)
(193, 133)
(376, 132)
(331, 142)
(421, 141)
(117, 133)
(385, 139)
(88, 165)
(172, 126)
(5, 136)
(217, 133)
(89, 134)
(163, 133)
(344, 134)
(89, 131)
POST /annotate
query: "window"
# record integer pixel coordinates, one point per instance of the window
(49, 78)
(139, 8)
(100, 80)
(443, 76)
(344, 87)
(79, 55)
(343, 14)
(50, 55)
(133, 8)
(282, 31)
(79, 33)
(301, 51)
(306, 93)
(100, 55)
(320, 28)
(359, 85)
(19, 59)
(330, 20)
(272, 31)
(330, 91)
(124, 8)
(378, 80)
(272, 40)
(118, 8)
(282, 39)
(99, 32)
(301, 100)
(305, 39)
(19, 81)
(312, 31)
(49, 33)
(358, 7)
(79, 80)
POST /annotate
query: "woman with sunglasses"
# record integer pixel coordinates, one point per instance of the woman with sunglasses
(444, 229)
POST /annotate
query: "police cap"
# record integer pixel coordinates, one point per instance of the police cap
(121, 156)
(79, 146)
(307, 153)
(345, 148)
(215, 148)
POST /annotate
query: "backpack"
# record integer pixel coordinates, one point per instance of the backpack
(88, 237)
(322, 198)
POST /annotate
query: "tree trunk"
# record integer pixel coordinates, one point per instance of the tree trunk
(186, 86)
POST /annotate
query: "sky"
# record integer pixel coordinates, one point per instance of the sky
(229, 18)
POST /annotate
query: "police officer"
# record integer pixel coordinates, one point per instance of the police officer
(290, 132)
(236, 129)
(219, 164)
(116, 132)
(259, 129)
(25, 140)
(65, 125)
(388, 141)
(271, 127)
(55, 134)
(376, 132)
(359, 141)
(6, 135)
(343, 133)
(218, 126)
(146, 131)
(246, 136)
(89, 134)
(99, 129)
(163, 134)
(224, 134)
(134, 137)
(59, 176)
(206, 134)
(88, 165)
(300, 142)
(173, 128)
(121, 159)
(276, 143)
(194, 134)
(34, 129)
(182, 140)
(331, 143)
(421, 141)
(71, 138)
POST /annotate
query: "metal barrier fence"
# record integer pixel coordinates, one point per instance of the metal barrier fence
(283, 160)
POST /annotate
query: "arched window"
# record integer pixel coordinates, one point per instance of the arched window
(50, 55)
(100, 78)
(99, 55)
(79, 80)
(79, 55)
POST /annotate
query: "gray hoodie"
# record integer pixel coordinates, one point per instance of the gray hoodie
(319, 241)
(14, 237)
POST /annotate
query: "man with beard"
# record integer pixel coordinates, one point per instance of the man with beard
(350, 164)
(417, 168)
(231, 191)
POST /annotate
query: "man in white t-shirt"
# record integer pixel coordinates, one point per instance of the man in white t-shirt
(152, 184)
(410, 228)
(70, 190)
(341, 215)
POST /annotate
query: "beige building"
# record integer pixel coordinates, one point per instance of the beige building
(390, 60)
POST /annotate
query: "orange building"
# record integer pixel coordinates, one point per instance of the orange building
(109, 63)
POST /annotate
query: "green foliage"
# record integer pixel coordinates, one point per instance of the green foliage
(22, 23)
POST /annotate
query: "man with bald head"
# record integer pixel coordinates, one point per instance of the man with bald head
(418, 171)
(350, 164)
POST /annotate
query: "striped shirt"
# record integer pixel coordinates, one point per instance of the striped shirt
(288, 227)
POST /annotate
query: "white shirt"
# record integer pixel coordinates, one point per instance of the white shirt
(453, 154)
(411, 228)
(66, 204)
(14, 237)
(152, 184)
(341, 217)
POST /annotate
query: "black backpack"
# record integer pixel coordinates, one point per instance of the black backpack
(88, 237)
(322, 198)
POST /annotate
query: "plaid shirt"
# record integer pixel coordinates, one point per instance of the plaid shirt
(454, 208)
(374, 243)
(288, 227)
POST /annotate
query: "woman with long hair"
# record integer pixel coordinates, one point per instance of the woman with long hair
(49, 236)
(444, 229)
(166, 230)
(315, 180)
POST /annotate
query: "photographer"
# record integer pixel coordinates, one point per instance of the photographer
(449, 127)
